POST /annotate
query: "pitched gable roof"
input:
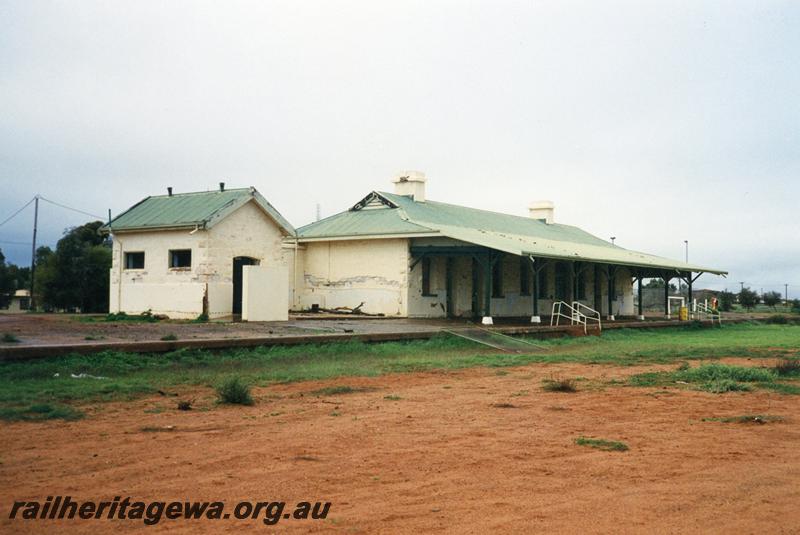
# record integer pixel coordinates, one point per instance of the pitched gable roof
(184, 210)
(400, 215)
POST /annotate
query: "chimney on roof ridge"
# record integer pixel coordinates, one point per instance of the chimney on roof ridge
(410, 183)
(543, 211)
(169, 191)
(222, 186)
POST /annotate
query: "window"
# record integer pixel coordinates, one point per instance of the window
(524, 276)
(134, 260)
(180, 258)
(562, 282)
(542, 283)
(497, 278)
(426, 277)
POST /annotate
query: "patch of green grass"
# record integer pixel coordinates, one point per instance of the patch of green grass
(37, 412)
(720, 386)
(392, 397)
(602, 444)
(781, 388)
(169, 337)
(559, 385)
(94, 337)
(132, 375)
(9, 338)
(202, 318)
(234, 391)
(787, 367)
(746, 419)
(715, 377)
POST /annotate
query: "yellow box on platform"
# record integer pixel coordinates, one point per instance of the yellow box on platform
(683, 314)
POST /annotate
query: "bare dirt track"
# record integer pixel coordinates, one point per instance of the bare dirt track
(474, 451)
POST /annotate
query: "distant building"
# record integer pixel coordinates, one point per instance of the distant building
(398, 254)
(19, 302)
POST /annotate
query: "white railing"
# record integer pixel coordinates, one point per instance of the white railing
(588, 313)
(577, 314)
(703, 309)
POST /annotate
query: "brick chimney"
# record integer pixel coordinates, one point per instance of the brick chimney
(543, 211)
(410, 183)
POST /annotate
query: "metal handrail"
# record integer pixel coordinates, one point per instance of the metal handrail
(575, 315)
(702, 308)
(589, 314)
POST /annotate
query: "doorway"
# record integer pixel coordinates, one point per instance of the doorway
(238, 263)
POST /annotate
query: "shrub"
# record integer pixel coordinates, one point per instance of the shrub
(796, 306)
(234, 391)
(9, 338)
(777, 319)
(202, 318)
(169, 337)
(559, 385)
(726, 300)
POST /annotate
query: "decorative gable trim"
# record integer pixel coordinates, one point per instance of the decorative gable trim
(373, 201)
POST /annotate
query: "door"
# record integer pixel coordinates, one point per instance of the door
(238, 263)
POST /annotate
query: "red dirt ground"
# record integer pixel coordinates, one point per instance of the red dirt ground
(445, 458)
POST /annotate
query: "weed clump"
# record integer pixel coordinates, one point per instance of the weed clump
(559, 385)
(602, 444)
(234, 391)
(169, 337)
(9, 338)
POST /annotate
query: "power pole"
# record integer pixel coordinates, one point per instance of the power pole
(687, 250)
(786, 293)
(742, 283)
(33, 250)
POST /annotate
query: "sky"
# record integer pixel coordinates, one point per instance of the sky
(654, 122)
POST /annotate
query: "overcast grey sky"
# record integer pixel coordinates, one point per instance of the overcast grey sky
(653, 122)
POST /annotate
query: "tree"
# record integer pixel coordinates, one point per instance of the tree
(6, 282)
(659, 283)
(726, 300)
(76, 274)
(748, 298)
(772, 299)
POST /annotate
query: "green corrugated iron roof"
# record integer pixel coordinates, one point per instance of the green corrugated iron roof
(198, 209)
(503, 232)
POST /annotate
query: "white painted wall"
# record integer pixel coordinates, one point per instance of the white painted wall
(179, 293)
(347, 273)
(265, 293)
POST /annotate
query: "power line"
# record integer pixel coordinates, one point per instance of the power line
(70, 208)
(12, 216)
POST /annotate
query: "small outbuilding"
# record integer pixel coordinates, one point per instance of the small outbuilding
(19, 302)
(185, 255)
